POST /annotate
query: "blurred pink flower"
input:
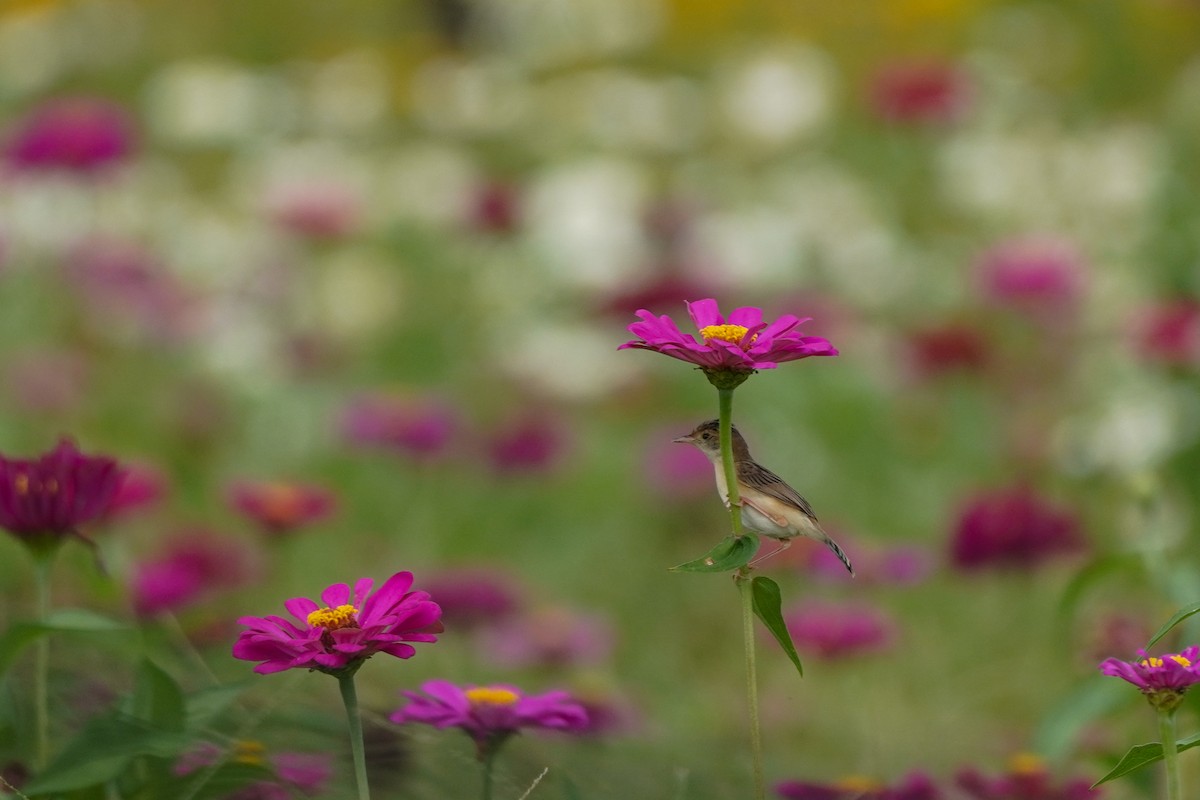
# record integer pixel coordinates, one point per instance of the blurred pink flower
(124, 286)
(280, 507)
(530, 444)
(830, 630)
(308, 773)
(953, 347)
(193, 565)
(1013, 528)
(549, 637)
(677, 472)
(471, 597)
(1039, 276)
(490, 714)
(744, 343)
(47, 498)
(914, 786)
(920, 92)
(46, 381)
(143, 485)
(350, 628)
(1162, 679)
(903, 565)
(78, 134)
(1168, 332)
(319, 211)
(1027, 777)
(418, 426)
(495, 208)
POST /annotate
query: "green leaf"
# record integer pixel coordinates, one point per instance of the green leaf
(157, 698)
(226, 779)
(767, 607)
(1179, 617)
(64, 620)
(1091, 574)
(732, 552)
(102, 750)
(1141, 755)
(203, 706)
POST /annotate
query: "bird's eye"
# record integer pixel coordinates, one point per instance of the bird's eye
(706, 436)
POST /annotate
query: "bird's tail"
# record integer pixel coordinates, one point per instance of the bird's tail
(837, 551)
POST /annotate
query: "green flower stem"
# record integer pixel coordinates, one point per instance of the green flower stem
(357, 750)
(489, 758)
(745, 589)
(1166, 735)
(43, 559)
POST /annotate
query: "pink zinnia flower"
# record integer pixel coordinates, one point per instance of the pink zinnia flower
(1013, 527)
(473, 596)
(920, 92)
(495, 208)
(49, 497)
(531, 444)
(1026, 778)
(419, 426)
(347, 630)
(1163, 679)
(914, 786)
(308, 773)
(490, 714)
(193, 565)
(1039, 276)
(549, 637)
(143, 485)
(81, 134)
(280, 507)
(318, 211)
(948, 348)
(837, 631)
(1169, 333)
(742, 343)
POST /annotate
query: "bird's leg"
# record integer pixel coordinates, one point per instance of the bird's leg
(784, 544)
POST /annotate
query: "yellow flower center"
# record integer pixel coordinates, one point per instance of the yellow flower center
(281, 502)
(491, 696)
(1026, 764)
(1155, 661)
(21, 484)
(726, 333)
(249, 752)
(344, 616)
(858, 784)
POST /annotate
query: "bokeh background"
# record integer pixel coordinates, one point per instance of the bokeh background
(384, 253)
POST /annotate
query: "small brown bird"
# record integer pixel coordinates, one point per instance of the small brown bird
(769, 505)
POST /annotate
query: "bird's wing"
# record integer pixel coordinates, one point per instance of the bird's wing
(769, 483)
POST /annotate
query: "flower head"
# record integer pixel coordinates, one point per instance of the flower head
(193, 566)
(1163, 679)
(919, 92)
(490, 714)
(80, 134)
(741, 343)
(280, 507)
(1043, 278)
(1027, 777)
(420, 427)
(50, 496)
(914, 786)
(308, 773)
(1168, 332)
(1014, 527)
(350, 628)
(838, 631)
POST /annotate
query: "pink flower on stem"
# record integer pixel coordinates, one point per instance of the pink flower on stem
(1027, 778)
(193, 566)
(1013, 527)
(280, 507)
(79, 134)
(45, 499)
(1163, 679)
(916, 92)
(143, 486)
(741, 343)
(350, 628)
(490, 714)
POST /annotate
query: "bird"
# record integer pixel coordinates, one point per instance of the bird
(769, 505)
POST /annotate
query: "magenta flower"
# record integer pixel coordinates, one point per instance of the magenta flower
(143, 486)
(471, 597)
(947, 349)
(1168, 333)
(80, 134)
(532, 444)
(914, 786)
(279, 507)
(495, 208)
(1039, 276)
(420, 427)
(742, 343)
(490, 714)
(47, 498)
(1027, 779)
(1163, 679)
(308, 773)
(549, 637)
(195, 564)
(1013, 527)
(837, 631)
(346, 631)
(920, 92)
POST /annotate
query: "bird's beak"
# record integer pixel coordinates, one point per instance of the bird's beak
(684, 440)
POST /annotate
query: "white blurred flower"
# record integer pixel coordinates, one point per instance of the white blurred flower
(778, 94)
(585, 219)
(32, 52)
(571, 361)
(217, 103)
(356, 294)
(349, 93)
(1137, 427)
(552, 32)
(471, 97)
(428, 183)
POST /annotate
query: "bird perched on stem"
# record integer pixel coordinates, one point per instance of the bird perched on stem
(769, 506)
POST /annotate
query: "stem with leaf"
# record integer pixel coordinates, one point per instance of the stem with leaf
(745, 588)
(1170, 751)
(43, 559)
(357, 749)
